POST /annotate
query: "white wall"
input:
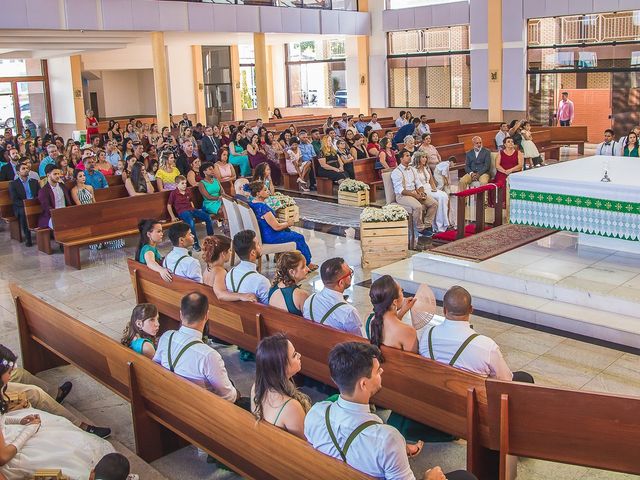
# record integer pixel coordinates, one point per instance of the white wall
(61, 86)
(353, 77)
(146, 92)
(127, 93)
(378, 89)
(279, 77)
(181, 81)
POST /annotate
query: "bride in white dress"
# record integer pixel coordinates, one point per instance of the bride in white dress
(441, 222)
(32, 440)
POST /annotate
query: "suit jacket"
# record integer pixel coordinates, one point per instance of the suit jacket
(210, 148)
(6, 173)
(479, 165)
(18, 194)
(48, 203)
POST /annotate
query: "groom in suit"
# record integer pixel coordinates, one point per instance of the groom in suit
(210, 146)
(53, 195)
(477, 165)
(20, 189)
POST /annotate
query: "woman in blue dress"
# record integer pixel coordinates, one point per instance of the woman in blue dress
(141, 333)
(271, 229)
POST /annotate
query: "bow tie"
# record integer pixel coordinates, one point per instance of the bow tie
(607, 144)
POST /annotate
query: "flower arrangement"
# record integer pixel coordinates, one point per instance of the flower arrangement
(350, 185)
(285, 200)
(388, 213)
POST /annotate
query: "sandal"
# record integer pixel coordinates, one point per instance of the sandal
(419, 444)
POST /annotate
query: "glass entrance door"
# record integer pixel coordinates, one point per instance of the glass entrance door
(218, 91)
(7, 112)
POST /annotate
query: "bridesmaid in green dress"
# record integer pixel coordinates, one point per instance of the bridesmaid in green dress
(238, 155)
(210, 189)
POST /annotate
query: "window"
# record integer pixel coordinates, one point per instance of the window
(316, 71)
(429, 68)
(248, 97)
(396, 4)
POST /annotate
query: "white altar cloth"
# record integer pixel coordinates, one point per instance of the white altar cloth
(570, 196)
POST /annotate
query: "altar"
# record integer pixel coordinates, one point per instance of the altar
(571, 196)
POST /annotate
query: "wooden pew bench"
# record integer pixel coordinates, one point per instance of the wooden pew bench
(365, 171)
(168, 411)
(7, 214)
(573, 135)
(421, 389)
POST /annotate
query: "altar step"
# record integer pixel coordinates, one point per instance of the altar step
(612, 316)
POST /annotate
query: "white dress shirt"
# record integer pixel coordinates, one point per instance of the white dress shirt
(423, 128)
(605, 148)
(401, 122)
(374, 126)
(255, 282)
(405, 178)
(379, 450)
(199, 364)
(345, 317)
(500, 136)
(188, 267)
(481, 356)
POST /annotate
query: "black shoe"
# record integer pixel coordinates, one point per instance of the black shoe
(427, 232)
(63, 391)
(102, 432)
(28, 243)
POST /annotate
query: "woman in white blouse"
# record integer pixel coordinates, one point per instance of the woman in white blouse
(441, 222)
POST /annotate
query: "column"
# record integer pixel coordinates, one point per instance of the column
(235, 82)
(78, 98)
(198, 79)
(160, 79)
(495, 60)
(270, 89)
(262, 89)
(363, 66)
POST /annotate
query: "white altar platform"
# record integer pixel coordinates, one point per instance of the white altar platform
(553, 282)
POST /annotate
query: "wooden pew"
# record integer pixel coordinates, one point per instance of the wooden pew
(573, 135)
(33, 210)
(113, 180)
(426, 391)
(365, 172)
(594, 430)
(7, 214)
(542, 139)
(168, 411)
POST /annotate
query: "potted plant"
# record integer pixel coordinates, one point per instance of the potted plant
(384, 234)
(288, 210)
(354, 193)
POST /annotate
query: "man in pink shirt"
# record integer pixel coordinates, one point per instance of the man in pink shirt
(565, 111)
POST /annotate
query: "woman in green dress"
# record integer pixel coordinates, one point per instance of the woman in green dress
(210, 189)
(147, 252)
(631, 145)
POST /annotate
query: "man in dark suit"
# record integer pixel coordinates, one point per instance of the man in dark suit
(23, 188)
(9, 171)
(210, 145)
(477, 165)
(53, 195)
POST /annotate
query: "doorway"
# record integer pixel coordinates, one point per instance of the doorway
(218, 89)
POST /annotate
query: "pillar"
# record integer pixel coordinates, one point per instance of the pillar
(160, 77)
(262, 82)
(363, 66)
(495, 60)
(78, 98)
(235, 81)
(198, 79)
(270, 89)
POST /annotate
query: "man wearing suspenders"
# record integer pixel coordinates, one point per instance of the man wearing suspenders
(184, 353)
(347, 430)
(244, 278)
(328, 307)
(454, 342)
(179, 261)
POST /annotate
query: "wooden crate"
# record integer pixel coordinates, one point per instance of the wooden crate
(356, 199)
(383, 243)
(289, 213)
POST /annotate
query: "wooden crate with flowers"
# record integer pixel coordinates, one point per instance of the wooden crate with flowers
(384, 235)
(354, 193)
(288, 209)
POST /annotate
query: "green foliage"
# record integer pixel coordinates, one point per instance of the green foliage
(245, 96)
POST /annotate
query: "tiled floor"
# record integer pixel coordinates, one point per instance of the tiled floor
(101, 296)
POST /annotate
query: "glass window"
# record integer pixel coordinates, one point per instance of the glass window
(247, 77)
(20, 67)
(396, 4)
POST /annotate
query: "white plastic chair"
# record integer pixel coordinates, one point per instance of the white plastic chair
(234, 220)
(250, 222)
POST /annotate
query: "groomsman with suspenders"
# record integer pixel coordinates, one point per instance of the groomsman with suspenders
(244, 277)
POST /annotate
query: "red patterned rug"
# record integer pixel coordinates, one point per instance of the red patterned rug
(495, 241)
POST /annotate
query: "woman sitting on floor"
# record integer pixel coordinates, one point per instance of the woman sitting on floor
(272, 230)
(274, 397)
(140, 334)
(147, 252)
(285, 293)
(216, 252)
(33, 440)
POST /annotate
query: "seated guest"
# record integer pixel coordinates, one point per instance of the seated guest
(210, 188)
(20, 189)
(296, 165)
(276, 113)
(93, 177)
(255, 151)
(510, 160)
(32, 174)
(428, 181)
(609, 146)
(410, 144)
(147, 252)
(138, 183)
(328, 307)
(33, 439)
(274, 397)
(427, 147)
(373, 145)
(502, 134)
(454, 342)
(262, 173)
(179, 261)
(361, 124)
(401, 121)
(102, 164)
(244, 278)
(180, 205)
(167, 171)
(410, 192)
(630, 148)
(113, 155)
(50, 159)
(113, 466)
(66, 171)
(9, 171)
(347, 429)
(223, 170)
(286, 293)
(423, 126)
(216, 252)
(386, 158)
(477, 165)
(374, 124)
(238, 154)
(193, 175)
(407, 130)
(346, 158)
(273, 230)
(623, 141)
(141, 331)
(52, 195)
(358, 150)
(330, 164)
(184, 353)
(385, 326)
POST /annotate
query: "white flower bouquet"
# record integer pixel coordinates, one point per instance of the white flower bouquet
(388, 213)
(285, 200)
(350, 185)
